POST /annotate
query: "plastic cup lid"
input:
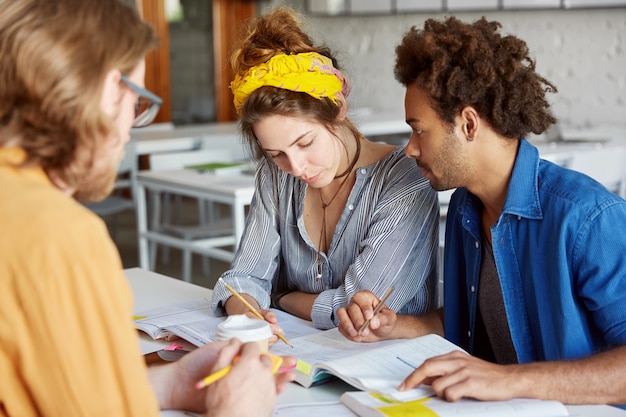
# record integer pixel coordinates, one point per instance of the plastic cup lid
(243, 328)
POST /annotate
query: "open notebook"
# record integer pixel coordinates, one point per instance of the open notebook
(194, 321)
(378, 366)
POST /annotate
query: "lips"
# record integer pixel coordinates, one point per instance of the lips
(424, 169)
(310, 180)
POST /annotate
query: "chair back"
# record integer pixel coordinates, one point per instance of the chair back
(604, 164)
(563, 158)
(124, 193)
(127, 169)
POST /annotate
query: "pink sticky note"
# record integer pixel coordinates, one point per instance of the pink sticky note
(173, 346)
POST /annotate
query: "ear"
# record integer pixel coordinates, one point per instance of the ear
(470, 122)
(111, 92)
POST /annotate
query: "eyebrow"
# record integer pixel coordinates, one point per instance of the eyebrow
(291, 144)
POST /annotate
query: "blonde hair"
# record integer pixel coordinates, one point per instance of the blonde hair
(54, 56)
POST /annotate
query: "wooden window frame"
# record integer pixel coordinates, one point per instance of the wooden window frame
(227, 17)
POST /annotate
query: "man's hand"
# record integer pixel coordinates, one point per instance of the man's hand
(458, 375)
(250, 387)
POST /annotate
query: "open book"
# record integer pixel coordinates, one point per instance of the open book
(366, 404)
(194, 321)
(378, 366)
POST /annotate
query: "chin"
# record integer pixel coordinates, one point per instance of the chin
(96, 190)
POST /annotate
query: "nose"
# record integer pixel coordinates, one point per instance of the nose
(412, 148)
(296, 165)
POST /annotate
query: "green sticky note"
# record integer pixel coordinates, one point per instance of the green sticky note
(214, 165)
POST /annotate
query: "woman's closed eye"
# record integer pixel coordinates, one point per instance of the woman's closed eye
(306, 144)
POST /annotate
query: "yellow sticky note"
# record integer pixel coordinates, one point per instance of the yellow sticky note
(302, 366)
(139, 317)
(408, 409)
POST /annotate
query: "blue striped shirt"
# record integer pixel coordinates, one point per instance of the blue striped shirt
(387, 236)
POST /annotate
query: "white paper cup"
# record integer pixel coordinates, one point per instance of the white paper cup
(245, 329)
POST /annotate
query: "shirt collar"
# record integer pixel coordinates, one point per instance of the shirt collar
(522, 198)
(12, 157)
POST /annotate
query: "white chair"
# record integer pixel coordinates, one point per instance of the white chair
(209, 225)
(122, 197)
(563, 158)
(605, 164)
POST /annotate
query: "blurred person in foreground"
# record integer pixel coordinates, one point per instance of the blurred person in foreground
(71, 77)
(534, 271)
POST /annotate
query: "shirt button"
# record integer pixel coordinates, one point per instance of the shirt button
(477, 245)
(469, 333)
(519, 217)
(472, 288)
(363, 171)
(350, 207)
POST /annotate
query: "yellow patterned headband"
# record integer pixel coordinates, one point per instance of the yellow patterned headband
(308, 72)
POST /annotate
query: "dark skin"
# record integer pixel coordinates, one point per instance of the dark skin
(482, 162)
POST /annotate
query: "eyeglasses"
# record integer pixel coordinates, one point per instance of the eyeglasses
(148, 104)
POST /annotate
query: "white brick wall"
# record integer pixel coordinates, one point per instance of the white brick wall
(583, 52)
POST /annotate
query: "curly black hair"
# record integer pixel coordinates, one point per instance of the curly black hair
(460, 64)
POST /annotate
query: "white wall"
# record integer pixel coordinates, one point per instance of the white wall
(583, 52)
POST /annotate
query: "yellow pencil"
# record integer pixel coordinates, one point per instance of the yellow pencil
(377, 309)
(252, 309)
(213, 377)
(208, 380)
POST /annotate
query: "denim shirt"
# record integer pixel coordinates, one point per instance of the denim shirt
(560, 251)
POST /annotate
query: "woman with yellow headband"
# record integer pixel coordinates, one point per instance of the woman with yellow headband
(334, 213)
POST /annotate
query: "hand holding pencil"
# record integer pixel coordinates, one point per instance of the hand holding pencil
(217, 375)
(244, 378)
(251, 308)
(366, 318)
(381, 303)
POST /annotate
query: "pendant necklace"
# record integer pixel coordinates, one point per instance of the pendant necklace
(346, 175)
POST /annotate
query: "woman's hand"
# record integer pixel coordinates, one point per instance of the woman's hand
(358, 311)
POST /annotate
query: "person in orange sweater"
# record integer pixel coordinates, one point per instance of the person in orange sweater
(71, 77)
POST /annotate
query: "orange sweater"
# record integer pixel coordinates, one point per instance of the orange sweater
(67, 344)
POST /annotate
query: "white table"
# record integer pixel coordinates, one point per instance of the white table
(186, 138)
(152, 290)
(377, 123)
(233, 190)
(226, 134)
